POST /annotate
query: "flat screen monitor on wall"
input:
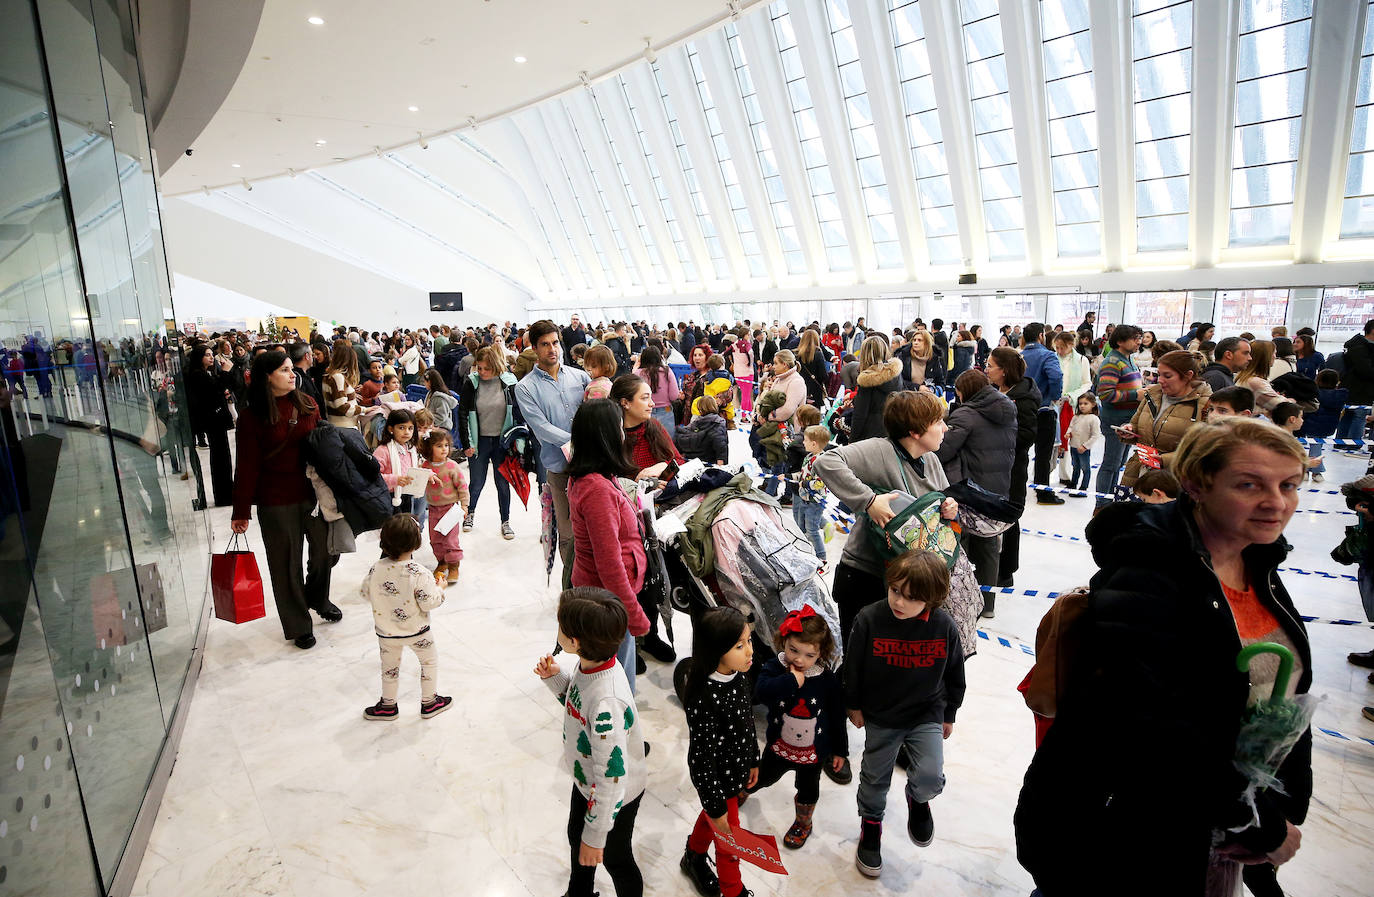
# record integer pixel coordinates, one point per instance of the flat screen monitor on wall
(445, 301)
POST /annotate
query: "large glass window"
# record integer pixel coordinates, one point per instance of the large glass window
(665, 202)
(999, 175)
(863, 138)
(1253, 311)
(631, 269)
(818, 177)
(715, 247)
(1271, 83)
(1066, 47)
(1357, 211)
(1162, 75)
(1162, 312)
(734, 193)
(592, 235)
(788, 238)
(567, 237)
(1343, 313)
(650, 245)
(1068, 310)
(934, 193)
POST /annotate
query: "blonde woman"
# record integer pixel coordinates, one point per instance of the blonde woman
(340, 385)
(811, 366)
(880, 377)
(915, 355)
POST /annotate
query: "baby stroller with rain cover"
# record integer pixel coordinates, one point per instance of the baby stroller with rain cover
(734, 546)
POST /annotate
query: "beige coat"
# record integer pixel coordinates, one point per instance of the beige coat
(1166, 431)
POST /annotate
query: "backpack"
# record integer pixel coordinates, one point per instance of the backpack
(916, 527)
(1057, 642)
(1297, 388)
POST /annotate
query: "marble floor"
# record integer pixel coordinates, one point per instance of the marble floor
(281, 787)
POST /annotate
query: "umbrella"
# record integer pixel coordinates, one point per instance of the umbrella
(548, 536)
(514, 473)
(1271, 728)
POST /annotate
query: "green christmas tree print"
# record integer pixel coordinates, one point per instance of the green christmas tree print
(576, 697)
(584, 747)
(629, 718)
(615, 811)
(578, 774)
(603, 724)
(615, 767)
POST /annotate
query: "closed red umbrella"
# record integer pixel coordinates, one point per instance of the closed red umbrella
(514, 473)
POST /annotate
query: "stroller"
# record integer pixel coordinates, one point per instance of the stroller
(750, 557)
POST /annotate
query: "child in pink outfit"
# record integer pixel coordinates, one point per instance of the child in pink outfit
(447, 485)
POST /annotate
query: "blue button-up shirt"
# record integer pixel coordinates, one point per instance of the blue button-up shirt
(548, 406)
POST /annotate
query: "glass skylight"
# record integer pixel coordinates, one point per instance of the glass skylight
(1066, 48)
(1162, 41)
(1357, 211)
(665, 202)
(999, 175)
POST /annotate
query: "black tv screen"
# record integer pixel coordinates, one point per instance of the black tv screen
(445, 301)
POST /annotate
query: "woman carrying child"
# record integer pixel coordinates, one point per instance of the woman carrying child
(806, 721)
(402, 594)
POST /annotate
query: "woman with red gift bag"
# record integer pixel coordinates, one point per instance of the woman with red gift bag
(271, 475)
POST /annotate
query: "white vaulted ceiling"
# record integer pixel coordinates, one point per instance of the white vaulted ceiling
(848, 148)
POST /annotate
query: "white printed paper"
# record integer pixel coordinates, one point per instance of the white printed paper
(450, 519)
(419, 481)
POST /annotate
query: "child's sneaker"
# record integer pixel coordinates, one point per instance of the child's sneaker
(869, 856)
(1318, 478)
(506, 532)
(920, 825)
(435, 707)
(382, 711)
(697, 868)
(467, 522)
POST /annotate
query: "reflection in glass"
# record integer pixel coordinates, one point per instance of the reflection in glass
(1357, 209)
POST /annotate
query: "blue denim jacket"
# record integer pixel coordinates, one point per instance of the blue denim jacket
(548, 406)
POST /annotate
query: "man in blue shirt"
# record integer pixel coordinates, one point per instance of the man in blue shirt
(1042, 366)
(549, 396)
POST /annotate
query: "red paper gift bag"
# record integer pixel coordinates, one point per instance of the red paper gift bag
(236, 585)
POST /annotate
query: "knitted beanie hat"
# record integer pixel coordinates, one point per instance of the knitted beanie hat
(1358, 490)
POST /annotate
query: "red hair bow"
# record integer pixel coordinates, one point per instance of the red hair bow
(793, 621)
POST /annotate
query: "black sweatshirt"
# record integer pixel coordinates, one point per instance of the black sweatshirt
(806, 723)
(902, 673)
(722, 745)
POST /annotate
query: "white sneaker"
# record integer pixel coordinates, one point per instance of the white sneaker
(1318, 478)
(467, 523)
(506, 532)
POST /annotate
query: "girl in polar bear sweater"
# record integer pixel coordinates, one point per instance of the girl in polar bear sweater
(806, 722)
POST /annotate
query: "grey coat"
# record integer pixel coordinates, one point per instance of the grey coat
(981, 441)
(857, 472)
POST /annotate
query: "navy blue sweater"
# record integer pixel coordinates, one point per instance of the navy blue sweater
(806, 722)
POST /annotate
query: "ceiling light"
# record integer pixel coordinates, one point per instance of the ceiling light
(315, 20)
(519, 59)
(413, 108)
(235, 165)
(319, 143)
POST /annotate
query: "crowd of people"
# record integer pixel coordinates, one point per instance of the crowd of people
(1198, 473)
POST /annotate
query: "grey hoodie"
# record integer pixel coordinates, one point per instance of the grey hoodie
(981, 441)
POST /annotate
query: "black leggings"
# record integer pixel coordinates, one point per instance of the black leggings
(618, 857)
(772, 767)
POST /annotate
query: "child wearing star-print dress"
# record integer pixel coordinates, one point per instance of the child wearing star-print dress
(402, 593)
(805, 702)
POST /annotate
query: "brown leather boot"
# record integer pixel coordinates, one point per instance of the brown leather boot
(801, 829)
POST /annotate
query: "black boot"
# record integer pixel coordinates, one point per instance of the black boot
(869, 856)
(697, 868)
(657, 648)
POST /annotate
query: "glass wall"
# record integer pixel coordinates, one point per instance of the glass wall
(103, 560)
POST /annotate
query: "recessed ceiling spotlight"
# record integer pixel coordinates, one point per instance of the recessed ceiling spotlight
(520, 59)
(315, 20)
(235, 165)
(413, 108)
(319, 143)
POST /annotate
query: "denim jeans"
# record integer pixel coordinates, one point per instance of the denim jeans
(489, 454)
(925, 777)
(1113, 456)
(665, 417)
(1365, 580)
(419, 507)
(773, 476)
(1082, 464)
(1351, 425)
(810, 519)
(626, 655)
(1314, 450)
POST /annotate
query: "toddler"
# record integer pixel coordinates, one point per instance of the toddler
(424, 425)
(903, 683)
(704, 438)
(805, 703)
(808, 509)
(806, 416)
(396, 455)
(447, 485)
(603, 746)
(719, 385)
(1084, 432)
(402, 594)
(722, 748)
(599, 363)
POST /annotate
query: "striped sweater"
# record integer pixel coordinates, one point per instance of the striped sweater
(1119, 388)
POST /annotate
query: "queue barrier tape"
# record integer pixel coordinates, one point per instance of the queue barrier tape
(1050, 596)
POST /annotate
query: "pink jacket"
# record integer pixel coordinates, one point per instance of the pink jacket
(792, 384)
(406, 458)
(667, 387)
(607, 549)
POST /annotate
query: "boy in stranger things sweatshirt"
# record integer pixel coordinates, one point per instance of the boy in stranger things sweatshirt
(904, 682)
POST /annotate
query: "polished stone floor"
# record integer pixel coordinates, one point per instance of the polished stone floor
(281, 787)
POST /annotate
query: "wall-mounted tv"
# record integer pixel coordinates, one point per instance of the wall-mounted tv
(445, 301)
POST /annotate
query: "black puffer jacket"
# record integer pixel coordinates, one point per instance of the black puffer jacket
(1359, 370)
(876, 386)
(1139, 759)
(981, 441)
(342, 460)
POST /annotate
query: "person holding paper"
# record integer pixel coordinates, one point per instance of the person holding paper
(446, 487)
(398, 459)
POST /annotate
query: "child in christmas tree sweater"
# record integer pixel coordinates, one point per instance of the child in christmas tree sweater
(603, 746)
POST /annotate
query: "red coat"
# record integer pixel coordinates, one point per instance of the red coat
(607, 549)
(835, 343)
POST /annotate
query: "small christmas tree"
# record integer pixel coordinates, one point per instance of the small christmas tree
(584, 747)
(578, 774)
(615, 767)
(629, 718)
(576, 697)
(603, 724)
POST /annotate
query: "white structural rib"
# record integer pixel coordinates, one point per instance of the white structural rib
(1113, 89)
(1026, 88)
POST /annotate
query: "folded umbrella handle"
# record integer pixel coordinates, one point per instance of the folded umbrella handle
(1285, 672)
